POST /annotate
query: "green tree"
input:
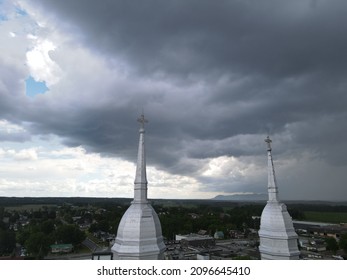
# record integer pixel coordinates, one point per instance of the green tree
(343, 242)
(332, 244)
(68, 218)
(102, 225)
(2, 211)
(37, 245)
(47, 226)
(69, 234)
(23, 235)
(7, 241)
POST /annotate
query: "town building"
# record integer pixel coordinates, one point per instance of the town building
(139, 234)
(61, 248)
(278, 239)
(196, 240)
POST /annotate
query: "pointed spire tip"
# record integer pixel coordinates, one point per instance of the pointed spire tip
(268, 141)
(142, 121)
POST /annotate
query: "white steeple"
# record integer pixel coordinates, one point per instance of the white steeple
(140, 184)
(271, 182)
(278, 239)
(139, 234)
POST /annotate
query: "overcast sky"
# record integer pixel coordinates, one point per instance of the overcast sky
(214, 78)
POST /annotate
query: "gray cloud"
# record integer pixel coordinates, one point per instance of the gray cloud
(214, 78)
(273, 38)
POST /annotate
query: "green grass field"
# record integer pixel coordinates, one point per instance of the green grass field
(326, 217)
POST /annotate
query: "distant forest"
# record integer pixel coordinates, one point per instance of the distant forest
(296, 209)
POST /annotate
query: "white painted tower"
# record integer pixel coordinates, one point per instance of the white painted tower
(139, 235)
(278, 239)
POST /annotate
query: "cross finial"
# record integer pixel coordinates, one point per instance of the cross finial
(142, 120)
(268, 141)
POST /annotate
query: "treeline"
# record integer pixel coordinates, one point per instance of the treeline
(319, 207)
(105, 202)
(78, 201)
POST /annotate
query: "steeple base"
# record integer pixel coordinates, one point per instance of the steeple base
(271, 256)
(278, 239)
(139, 235)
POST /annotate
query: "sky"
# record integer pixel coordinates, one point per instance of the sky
(213, 78)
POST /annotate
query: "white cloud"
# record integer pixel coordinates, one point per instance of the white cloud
(30, 154)
(10, 128)
(224, 166)
(27, 154)
(29, 43)
(52, 170)
(40, 63)
(162, 184)
(13, 47)
(73, 152)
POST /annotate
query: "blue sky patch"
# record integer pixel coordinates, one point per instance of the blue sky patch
(34, 88)
(3, 17)
(21, 12)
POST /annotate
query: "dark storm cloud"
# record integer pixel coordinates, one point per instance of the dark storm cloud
(235, 70)
(263, 64)
(10, 90)
(277, 38)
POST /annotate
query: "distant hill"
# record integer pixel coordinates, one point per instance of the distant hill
(242, 197)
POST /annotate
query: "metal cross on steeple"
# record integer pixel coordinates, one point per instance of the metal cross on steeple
(142, 121)
(268, 141)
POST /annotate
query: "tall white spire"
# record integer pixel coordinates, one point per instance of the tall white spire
(139, 235)
(140, 184)
(272, 184)
(278, 239)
